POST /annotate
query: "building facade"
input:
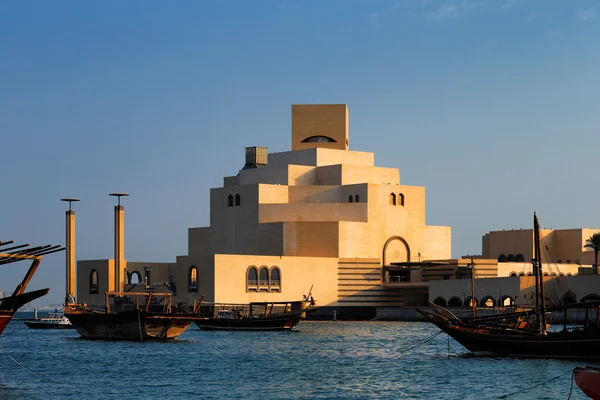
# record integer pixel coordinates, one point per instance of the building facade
(319, 217)
(325, 219)
(566, 269)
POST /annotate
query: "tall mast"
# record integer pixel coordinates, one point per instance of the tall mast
(473, 306)
(540, 303)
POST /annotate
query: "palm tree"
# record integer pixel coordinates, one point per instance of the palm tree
(594, 243)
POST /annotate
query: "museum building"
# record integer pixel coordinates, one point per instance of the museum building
(320, 216)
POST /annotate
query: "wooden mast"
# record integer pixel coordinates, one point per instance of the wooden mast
(540, 303)
(473, 305)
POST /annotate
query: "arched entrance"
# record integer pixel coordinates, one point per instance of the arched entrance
(395, 249)
(134, 278)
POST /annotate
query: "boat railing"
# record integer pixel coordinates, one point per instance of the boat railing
(250, 310)
(122, 301)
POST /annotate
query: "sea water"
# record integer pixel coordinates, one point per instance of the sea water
(320, 360)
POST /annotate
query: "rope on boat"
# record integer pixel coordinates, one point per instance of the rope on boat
(417, 343)
(28, 370)
(572, 379)
(140, 326)
(540, 384)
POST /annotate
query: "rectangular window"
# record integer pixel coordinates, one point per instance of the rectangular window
(463, 273)
(399, 276)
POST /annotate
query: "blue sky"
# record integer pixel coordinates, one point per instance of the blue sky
(493, 105)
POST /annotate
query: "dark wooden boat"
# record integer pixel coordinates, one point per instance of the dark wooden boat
(521, 334)
(9, 305)
(125, 318)
(256, 316)
(588, 380)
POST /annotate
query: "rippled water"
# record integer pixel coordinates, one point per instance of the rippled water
(321, 360)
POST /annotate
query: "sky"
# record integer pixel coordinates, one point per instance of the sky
(492, 105)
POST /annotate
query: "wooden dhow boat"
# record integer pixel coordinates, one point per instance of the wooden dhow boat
(125, 317)
(9, 305)
(255, 316)
(522, 334)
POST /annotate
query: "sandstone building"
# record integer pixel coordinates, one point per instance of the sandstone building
(323, 216)
(319, 216)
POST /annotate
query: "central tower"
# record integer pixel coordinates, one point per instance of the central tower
(319, 125)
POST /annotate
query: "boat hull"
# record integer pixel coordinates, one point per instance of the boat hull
(487, 341)
(10, 305)
(5, 317)
(588, 380)
(44, 325)
(281, 323)
(130, 325)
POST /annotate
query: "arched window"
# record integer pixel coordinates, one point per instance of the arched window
(440, 301)
(135, 277)
(238, 200)
(488, 301)
(319, 139)
(393, 199)
(275, 279)
(400, 199)
(506, 301)
(193, 279)
(93, 282)
(521, 273)
(513, 274)
(501, 258)
(520, 258)
(356, 198)
(230, 200)
(511, 258)
(470, 300)
(590, 297)
(455, 302)
(263, 279)
(350, 199)
(252, 279)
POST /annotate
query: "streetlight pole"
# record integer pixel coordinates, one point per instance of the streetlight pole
(70, 253)
(119, 241)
